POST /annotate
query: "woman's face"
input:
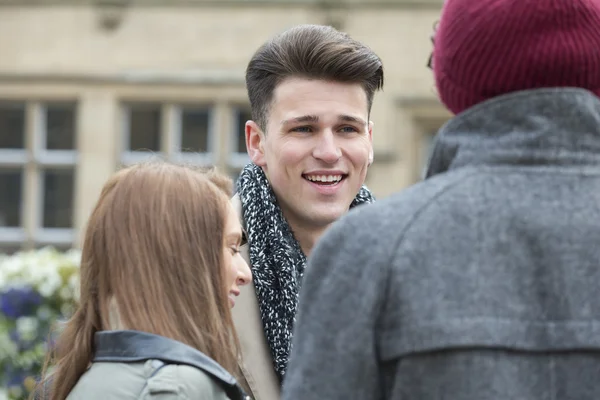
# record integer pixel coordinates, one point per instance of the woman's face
(238, 272)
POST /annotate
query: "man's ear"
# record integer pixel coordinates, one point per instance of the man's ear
(255, 141)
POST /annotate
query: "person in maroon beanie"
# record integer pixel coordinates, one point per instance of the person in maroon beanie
(482, 281)
(488, 48)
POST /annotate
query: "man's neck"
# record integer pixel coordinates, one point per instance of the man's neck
(307, 237)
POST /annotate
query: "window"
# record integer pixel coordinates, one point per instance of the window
(241, 116)
(60, 127)
(179, 132)
(37, 174)
(11, 180)
(12, 126)
(187, 131)
(195, 125)
(58, 207)
(238, 156)
(143, 126)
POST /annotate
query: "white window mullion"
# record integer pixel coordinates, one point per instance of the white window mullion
(219, 125)
(52, 236)
(13, 157)
(41, 134)
(170, 131)
(37, 170)
(57, 158)
(37, 129)
(32, 195)
(12, 235)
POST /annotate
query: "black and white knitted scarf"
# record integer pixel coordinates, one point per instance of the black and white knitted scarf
(276, 259)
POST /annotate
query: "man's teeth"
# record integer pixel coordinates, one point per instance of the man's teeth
(324, 178)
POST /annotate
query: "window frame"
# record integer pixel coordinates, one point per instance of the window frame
(170, 133)
(236, 160)
(33, 160)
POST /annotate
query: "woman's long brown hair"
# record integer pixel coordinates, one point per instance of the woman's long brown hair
(154, 247)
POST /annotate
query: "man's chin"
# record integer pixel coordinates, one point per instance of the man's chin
(325, 216)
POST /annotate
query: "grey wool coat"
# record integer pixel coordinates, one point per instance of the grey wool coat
(481, 282)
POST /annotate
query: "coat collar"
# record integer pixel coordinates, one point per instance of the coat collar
(541, 126)
(135, 346)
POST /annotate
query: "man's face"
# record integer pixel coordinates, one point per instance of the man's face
(316, 149)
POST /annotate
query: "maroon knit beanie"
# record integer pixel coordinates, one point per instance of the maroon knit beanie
(486, 48)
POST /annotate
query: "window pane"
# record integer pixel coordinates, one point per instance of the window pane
(60, 127)
(194, 130)
(63, 248)
(241, 118)
(9, 249)
(58, 198)
(11, 181)
(12, 126)
(144, 128)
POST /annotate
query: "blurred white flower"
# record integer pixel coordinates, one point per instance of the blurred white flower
(44, 313)
(8, 349)
(65, 293)
(55, 277)
(50, 285)
(74, 286)
(73, 256)
(67, 309)
(46, 269)
(27, 327)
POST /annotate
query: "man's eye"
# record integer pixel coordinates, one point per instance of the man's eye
(303, 129)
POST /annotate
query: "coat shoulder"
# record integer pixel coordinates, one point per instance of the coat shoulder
(179, 382)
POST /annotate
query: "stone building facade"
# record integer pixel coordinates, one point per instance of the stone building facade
(84, 84)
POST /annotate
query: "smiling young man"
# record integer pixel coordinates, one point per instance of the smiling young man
(310, 141)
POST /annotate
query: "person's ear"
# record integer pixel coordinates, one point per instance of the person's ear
(255, 142)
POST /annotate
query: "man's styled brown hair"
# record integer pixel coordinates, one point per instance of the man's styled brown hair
(152, 261)
(312, 52)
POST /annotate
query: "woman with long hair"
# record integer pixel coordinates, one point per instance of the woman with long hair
(160, 270)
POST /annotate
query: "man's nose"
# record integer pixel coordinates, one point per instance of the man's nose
(327, 148)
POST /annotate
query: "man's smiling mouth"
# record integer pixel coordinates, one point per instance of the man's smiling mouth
(325, 179)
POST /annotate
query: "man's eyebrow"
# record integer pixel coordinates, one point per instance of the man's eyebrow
(349, 118)
(303, 118)
(314, 119)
